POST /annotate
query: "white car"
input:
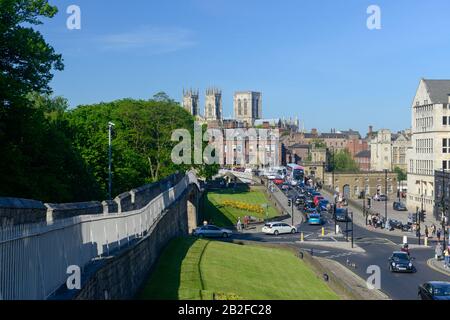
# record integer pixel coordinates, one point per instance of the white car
(277, 228)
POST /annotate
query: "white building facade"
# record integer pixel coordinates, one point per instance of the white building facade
(430, 148)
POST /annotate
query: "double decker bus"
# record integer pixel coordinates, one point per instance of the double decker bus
(295, 173)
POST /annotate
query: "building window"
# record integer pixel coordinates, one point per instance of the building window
(444, 121)
(245, 107)
(445, 145)
(239, 107)
(444, 165)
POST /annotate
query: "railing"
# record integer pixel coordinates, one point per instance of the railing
(34, 258)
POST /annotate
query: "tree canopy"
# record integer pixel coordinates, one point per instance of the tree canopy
(54, 154)
(342, 161)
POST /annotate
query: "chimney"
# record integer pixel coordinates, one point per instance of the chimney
(370, 130)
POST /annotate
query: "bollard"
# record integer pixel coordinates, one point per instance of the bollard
(323, 231)
(301, 237)
(426, 242)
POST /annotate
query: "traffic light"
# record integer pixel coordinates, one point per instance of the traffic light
(289, 202)
(422, 215)
(369, 202)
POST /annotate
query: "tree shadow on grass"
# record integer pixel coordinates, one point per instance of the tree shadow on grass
(212, 213)
(165, 281)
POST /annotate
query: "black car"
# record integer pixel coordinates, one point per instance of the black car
(399, 206)
(401, 262)
(341, 215)
(435, 290)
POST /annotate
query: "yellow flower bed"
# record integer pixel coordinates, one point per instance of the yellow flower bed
(243, 206)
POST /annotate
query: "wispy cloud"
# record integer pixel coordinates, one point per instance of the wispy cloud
(151, 40)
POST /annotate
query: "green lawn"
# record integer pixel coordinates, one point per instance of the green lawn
(226, 216)
(204, 270)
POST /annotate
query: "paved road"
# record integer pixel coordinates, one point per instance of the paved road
(378, 247)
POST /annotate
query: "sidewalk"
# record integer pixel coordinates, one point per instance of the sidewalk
(438, 266)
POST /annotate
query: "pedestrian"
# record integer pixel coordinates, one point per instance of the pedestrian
(447, 257)
(438, 235)
(438, 251)
(245, 222)
(426, 231)
(239, 224)
(433, 230)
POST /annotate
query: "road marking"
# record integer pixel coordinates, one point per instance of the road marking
(340, 255)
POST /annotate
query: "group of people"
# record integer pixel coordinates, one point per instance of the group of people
(434, 232)
(243, 225)
(376, 220)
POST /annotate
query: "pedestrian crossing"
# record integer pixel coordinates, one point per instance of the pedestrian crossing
(369, 240)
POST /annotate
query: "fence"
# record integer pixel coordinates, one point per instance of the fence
(34, 257)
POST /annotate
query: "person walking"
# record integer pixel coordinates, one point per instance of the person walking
(447, 258)
(438, 235)
(438, 251)
(239, 224)
(426, 231)
(433, 230)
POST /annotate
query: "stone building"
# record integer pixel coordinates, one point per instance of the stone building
(430, 149)
(213, 105)
(363, 160)
(388, 150)
(381, 151)
(350, 185)
(247, 106)
(190, 101)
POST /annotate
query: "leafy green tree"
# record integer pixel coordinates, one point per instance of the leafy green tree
(26, 60)
(141, 144)
(401, 174)
(342, 161)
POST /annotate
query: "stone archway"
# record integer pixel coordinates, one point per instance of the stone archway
(192, 210)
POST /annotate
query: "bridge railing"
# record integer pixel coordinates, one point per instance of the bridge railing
(34, 257)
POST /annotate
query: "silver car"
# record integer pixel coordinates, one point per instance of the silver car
(210, 231)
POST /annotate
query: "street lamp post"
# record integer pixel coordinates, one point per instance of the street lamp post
(110, 126)
(386, 191)
(444, 226)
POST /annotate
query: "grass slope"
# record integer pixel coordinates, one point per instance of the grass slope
(226, 216)
(203, 269)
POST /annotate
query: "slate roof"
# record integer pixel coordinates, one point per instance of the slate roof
(438, 90)
(363, 154)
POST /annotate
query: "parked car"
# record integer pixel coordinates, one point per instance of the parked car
(380, 197)
(400, 261)
(315, 219)
(399, 206)
(277, 228)
(435, 290)
(210, 231)
(341, 215)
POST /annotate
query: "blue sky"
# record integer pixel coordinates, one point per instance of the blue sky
(315, 59)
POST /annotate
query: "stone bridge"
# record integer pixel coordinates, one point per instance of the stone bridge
(114, 243)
